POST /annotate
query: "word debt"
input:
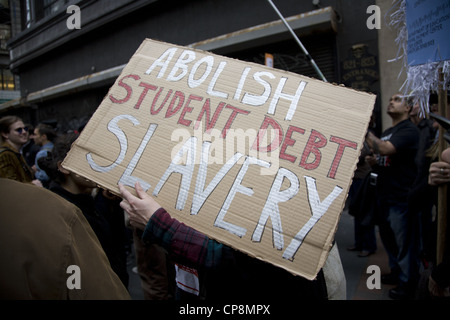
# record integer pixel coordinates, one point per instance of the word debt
(177, 102)
(202, 191)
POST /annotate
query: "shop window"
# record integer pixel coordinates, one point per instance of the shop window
(35, 10)
(6, 80)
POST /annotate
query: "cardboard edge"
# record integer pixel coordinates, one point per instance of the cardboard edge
(252, 64)
(325, 253)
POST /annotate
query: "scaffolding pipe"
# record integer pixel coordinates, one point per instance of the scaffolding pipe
(311, 60)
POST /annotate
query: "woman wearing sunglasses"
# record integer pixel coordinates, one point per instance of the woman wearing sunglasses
(13, 135)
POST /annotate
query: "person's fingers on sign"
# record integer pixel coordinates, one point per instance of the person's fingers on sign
(141, 208)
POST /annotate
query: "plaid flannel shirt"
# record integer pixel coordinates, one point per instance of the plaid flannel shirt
(184, 244)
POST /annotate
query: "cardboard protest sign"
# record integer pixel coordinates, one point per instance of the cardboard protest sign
(256, 158)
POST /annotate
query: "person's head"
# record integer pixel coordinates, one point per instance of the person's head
(414, 115)
(13, 131)
(52, 166)
(435, 109)
(399, 107)
(30, 131)
(43, 133)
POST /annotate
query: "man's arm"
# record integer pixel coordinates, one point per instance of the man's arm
(185, 244)
(379, 146)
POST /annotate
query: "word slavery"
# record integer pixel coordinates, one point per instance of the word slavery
(201, 192)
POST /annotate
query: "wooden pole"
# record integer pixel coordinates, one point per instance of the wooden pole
(442, 189)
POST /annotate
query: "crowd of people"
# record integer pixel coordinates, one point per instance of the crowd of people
(398, 193)
(32, 158)
(83, 225)
(31, 176)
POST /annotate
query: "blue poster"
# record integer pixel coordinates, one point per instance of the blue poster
(428, 24)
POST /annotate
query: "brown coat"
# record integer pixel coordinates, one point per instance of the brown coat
(13, 165)
(41, 235)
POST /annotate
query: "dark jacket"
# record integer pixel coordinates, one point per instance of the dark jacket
(108, 224)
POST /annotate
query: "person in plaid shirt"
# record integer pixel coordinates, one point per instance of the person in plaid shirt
(224, 272)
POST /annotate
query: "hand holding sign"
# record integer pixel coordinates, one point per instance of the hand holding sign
(193, 131)
(140, 208)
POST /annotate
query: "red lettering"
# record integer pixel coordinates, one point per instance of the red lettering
(146, 86)
(274, 144)
(127, 88)
(315, 142)
(343, 143)
(210, 123)
(189, 109)
(152, 108)
(170, 110)
(289, 142)
(233, 115)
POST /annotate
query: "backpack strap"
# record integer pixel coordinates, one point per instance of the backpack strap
(3, 149)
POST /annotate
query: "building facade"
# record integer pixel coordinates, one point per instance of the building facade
(68, 53)
(8, 82)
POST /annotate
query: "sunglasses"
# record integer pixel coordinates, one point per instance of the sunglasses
(20, 130)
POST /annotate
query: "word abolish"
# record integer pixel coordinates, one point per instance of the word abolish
(197, 72)
(202, 190)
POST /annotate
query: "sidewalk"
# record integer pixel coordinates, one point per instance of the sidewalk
(355, 268)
